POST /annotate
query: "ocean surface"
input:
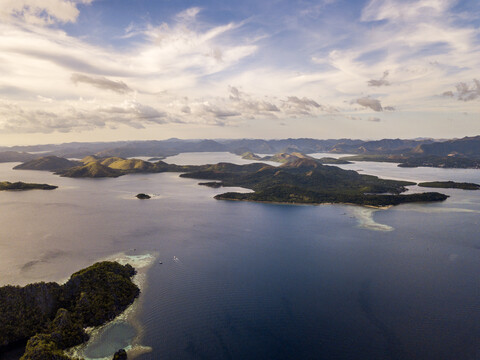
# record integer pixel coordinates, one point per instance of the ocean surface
(242, 280)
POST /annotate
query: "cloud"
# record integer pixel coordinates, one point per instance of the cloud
(371, 103)
(219, 112)
(381, 82)
(83, 116)
(44, 12)
(296, 105)
(465, 92)
(101, 83)
(394, 10)
(246, 103)
(188, 15)
(179, 70)
(186, 109)
(374, 119)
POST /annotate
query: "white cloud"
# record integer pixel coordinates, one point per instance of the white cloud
(405, 10)
(41, 12)
(180, 71)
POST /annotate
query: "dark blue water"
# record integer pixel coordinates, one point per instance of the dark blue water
(263, 281)
(298, 283)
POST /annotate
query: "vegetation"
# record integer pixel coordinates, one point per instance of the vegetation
(287, 157)
(450, 185)
(94, 167)
(6, 185)
(24, 311)
(54, 316)
(48, 163)
(377, 158)
(295, 195)
(442, 162)
(308, 182)
(91, 170)
(120, 355)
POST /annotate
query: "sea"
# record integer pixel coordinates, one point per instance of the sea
(243, 280)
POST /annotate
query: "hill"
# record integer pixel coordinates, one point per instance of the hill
(307, 181)
(384, 146)
(15, 156)
(288, 157)
(48, 163)
(466, 147)
(92, 169)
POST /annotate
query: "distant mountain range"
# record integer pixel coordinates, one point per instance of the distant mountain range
(418, 152)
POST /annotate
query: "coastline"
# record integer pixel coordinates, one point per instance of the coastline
(385, 207)
(129, 317)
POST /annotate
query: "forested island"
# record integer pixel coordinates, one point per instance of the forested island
(306, 181)
(19, 186)
(53, 317)
(450, 185)
(300, 179)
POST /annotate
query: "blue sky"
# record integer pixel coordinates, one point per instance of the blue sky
(93, 70)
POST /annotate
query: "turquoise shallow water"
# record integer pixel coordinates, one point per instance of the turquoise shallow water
(264, 281)
(117, 336)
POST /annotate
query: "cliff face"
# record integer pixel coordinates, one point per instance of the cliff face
(24, 311)
(53, 316)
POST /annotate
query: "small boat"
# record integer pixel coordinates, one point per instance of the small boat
(160, 262)
(175, 258)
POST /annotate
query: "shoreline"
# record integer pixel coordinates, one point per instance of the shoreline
(385, 207)
(142, 264)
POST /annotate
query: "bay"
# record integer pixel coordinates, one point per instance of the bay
(263, 281)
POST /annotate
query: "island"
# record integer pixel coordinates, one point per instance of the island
(15, 156)
(284, 157)
(20, 186)
(53, 317)
(306, 181)
(450, 185)
(47, 163)
(452, 162)
(143, 196)
(97, 167)
(300, 179)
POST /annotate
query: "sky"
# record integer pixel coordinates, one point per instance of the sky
(107, 70)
